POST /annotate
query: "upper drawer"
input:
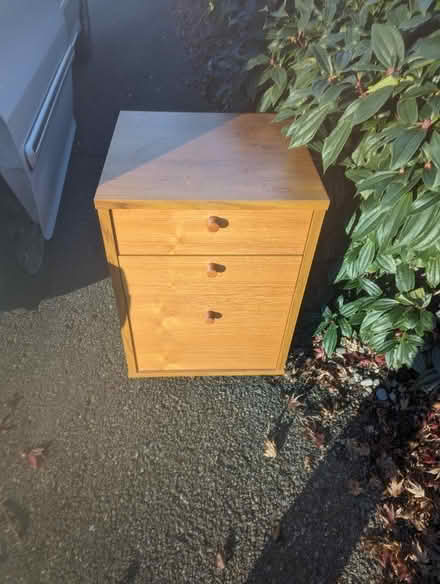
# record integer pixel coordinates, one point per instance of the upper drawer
(199, 231)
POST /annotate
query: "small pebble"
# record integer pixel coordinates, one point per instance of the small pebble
(341, 351)
(381, 394)
(367, 382)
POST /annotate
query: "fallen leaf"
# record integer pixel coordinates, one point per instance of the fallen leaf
(395, 487)
(355, 487)
(35, 457)
(294, 403)
(388, 515)
(307, 463)
(219, 561)
(419, 554)
(270, 448)
(415, 489)
(316, 437)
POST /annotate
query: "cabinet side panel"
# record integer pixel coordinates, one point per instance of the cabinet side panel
(312, 240)
(107, 232)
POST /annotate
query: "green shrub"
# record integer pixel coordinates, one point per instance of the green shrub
(358, 81)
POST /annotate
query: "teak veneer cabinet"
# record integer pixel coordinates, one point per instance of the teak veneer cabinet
(210, 225)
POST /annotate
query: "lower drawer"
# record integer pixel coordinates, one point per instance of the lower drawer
(182, 318)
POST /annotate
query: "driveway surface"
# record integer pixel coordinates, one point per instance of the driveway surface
(145, 481)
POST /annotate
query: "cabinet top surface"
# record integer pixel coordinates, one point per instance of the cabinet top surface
(164, 158)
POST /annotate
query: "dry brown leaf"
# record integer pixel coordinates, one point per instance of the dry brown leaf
(35, 457)
(294, 403)
(395, 487)
(219, 561)
(355, 487)
(388, 515)
(270, 448)
(419, 554)
(435, 472)
(415, 489)
(307, 463)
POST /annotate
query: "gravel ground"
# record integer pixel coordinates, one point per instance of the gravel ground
(150, 480)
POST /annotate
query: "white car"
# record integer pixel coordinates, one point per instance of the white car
(38, 40)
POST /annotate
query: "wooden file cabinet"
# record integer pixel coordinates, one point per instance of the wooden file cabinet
(210, 225)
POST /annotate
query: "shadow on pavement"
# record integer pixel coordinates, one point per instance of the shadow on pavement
(319, 532)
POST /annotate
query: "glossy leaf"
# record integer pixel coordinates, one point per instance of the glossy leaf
(433, 271)
(304, 129)
(335, 142)
(407, 110)
(427, 48)
(405, 278)
(256, 61)
(279, 75)
(368, 106)
(330, 339)
(435, 148)
(387, 44)
(370, 287)
(405, 147)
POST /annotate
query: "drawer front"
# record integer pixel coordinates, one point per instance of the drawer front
(182, 318)
(185, 232)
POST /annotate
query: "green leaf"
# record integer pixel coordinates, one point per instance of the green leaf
(431, 178)
(435, 148)
(368, 222)
(279, 75)
(345, 326)
(427, 48)
(284, 114)
(386, 262)
(387, 44)
(394, 220)
(388, 81)
(415, 226)
(378, 178)
(351, 308)
(405, 278)
(335, 142)
(266, 100)
(256, 61)
(322, 58)
(433, 271)
(427, 321)
(371, 104)
(405, 147)
(332, 93)
(370, 287)
(423, 5)
(366, 256)
(407, 110)
(330, 339)
(304, 129)
(384, 304)
(424, 201)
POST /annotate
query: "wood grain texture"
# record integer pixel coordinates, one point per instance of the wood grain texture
(312, 241)
(169, 157)
(168, 311)
(121, 300)
(182, 232)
